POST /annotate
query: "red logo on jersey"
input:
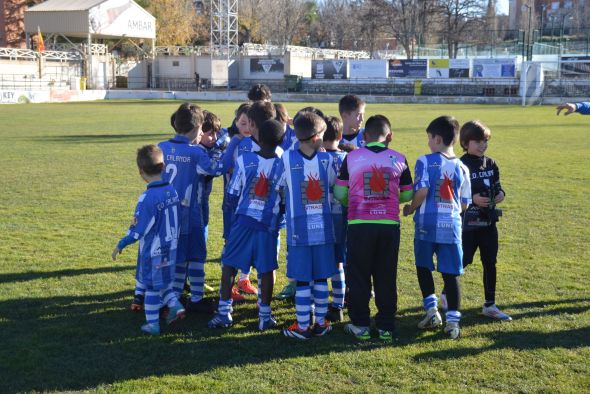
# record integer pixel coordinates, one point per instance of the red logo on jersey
(377, 182)
(314, 189)
(446, 188)
(261, 187)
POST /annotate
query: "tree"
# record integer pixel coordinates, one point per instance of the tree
(461, 20)
(175, 21)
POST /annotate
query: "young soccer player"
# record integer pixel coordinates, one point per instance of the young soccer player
(283, 117)
(373, 181)
(352, 112)
(308, 176)
(254, 236)
(332, 138)
(155, 226)
(441, 191)
(258, 113)
(259, 92)
(479, 221)
(184, 161)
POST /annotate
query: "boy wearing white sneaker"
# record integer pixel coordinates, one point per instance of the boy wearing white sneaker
(441, 191)
(479, 224)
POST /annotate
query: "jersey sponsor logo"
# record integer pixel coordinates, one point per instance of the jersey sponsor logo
(445, 189)
(313, 190)
(261, 186)
(376, 183)
(378, 210)
(482, 174)
(445, 225)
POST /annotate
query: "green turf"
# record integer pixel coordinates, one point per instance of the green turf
(69, 186)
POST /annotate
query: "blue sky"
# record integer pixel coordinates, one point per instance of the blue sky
(502, 7)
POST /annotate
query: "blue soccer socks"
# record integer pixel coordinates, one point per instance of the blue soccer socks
(303, 306)
(430, 302)
(338, 287)
(320, 295)
(196, 278)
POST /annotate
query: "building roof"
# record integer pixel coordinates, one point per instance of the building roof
(65, 5)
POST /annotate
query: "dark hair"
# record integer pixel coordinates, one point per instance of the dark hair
(377, 126)
(242, 110)
(308, 124)
(261, 111)
(473, 130)
(333, 129)
(150, 159)
(446, 127)
(349, 103)
(187, 118)
(314, 110)
(271, 133)
(259, 92)
(211, 122)
(282, 114)
(172, 119)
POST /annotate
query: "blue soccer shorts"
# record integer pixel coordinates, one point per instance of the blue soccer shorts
(307, 263)
(449, 257)
(248, 247)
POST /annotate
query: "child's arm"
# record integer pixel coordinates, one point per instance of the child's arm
(141, 221)
(341, 186)
(405, 185)
(417, 200)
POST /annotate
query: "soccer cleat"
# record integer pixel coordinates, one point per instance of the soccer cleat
(152, 329)
(444, 306)
(385, 335)
(321, 330)
(175, 313)
(334, 314)
(293, 331)
(137, 303)
(245, 286)
(431, 320)
(361, 333)
(495, 313)
(220, 321)
(265, 324)
(452, 330)
(236, 297)
(288, 292)
(206, 305)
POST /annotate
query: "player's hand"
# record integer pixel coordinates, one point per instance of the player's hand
(480, 201)
(407, 210)
(500, 197)
(116, 251)
(568, 107)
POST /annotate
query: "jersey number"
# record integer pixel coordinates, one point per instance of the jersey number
(171, 170)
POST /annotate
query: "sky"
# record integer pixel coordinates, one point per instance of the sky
(502, 7)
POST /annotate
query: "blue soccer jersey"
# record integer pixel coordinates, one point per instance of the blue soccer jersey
(307, 183)
(155, 225)
(255, 181)
(356, 139)
(184, 162)
(289, 139)
(447, 179)
(249, 144)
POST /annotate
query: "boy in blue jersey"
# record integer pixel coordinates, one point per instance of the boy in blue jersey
(258, 113)
(283, 117)
(253, 238)
(155, 226)
(332, 138)
(307, 179)
(441, 191)
(184, 161)
(352, 112)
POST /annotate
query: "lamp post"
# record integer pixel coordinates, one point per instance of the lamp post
(529, 52)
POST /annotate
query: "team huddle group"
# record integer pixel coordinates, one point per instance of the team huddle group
(337, 188)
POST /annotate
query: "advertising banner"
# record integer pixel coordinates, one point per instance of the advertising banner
(121, 18)
(329, 69)
(579, 69)
(494, 68)
(459, 68)
(408, 68)
(266, 65)
(438, 68)
(368, 69)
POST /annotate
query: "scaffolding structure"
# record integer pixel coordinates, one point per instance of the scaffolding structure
(224, 29)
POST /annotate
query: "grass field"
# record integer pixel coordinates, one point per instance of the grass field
(68, 191)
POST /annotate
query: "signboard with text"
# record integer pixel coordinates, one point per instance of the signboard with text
(408, 68)
(329, 69)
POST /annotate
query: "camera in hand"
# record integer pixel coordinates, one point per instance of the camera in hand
(478, 217)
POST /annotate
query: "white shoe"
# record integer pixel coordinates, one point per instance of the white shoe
(443, 302)
(452, 329)
(431, 320)
(495, 313)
